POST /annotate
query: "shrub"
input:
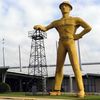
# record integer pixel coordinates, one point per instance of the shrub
(4, 87)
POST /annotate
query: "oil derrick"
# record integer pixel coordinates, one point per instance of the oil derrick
(37, 61)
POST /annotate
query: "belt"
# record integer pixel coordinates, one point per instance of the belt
(65, 38)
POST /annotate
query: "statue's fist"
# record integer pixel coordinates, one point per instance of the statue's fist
(77, 36)
(39, 27)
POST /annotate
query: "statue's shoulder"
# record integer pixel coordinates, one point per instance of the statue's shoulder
(56, 21)
(77, 18)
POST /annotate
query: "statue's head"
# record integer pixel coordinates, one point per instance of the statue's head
(65, 6)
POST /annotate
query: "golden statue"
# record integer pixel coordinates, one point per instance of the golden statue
(66, 27)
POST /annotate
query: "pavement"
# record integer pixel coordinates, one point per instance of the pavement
(24, 98)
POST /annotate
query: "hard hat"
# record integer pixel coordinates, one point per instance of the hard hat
(67, 3)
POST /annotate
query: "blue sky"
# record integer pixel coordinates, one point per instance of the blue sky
(17, 17)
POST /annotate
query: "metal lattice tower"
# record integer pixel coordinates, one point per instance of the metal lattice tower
(37, 61)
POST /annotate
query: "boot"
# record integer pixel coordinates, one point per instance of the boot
(81, 94)
(55, 92)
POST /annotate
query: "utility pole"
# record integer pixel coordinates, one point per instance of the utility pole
(56, 45)
(3, 51)
(79, 54)
(20, 59)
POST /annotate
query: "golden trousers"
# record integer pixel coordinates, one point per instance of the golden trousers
(67, 46)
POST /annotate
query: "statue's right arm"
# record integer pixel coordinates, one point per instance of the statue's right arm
(43, 28)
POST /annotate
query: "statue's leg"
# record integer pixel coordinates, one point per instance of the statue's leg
(61, 54)
(76, 68)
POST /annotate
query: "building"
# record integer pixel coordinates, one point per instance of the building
(24, 82)
(91, 83)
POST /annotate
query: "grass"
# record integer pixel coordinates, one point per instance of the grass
(64, 96)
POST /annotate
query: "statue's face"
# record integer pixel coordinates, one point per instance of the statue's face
(65, 8)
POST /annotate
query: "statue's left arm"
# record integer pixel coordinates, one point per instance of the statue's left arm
(86, 28)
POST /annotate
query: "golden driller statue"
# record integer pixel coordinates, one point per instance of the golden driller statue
(66, 27)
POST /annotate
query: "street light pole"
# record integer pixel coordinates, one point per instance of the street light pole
(20, 59)
(79, 55)
(3, 51)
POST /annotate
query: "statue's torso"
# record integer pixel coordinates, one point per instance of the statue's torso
(66, 27)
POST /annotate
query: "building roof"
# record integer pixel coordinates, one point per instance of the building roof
(86, 69)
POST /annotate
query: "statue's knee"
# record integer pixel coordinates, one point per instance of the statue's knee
(59, 70)
(77, 69)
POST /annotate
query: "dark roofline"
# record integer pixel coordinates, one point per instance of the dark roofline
(93, 74)
(18, 74)
(21, 75)
(3, 69)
